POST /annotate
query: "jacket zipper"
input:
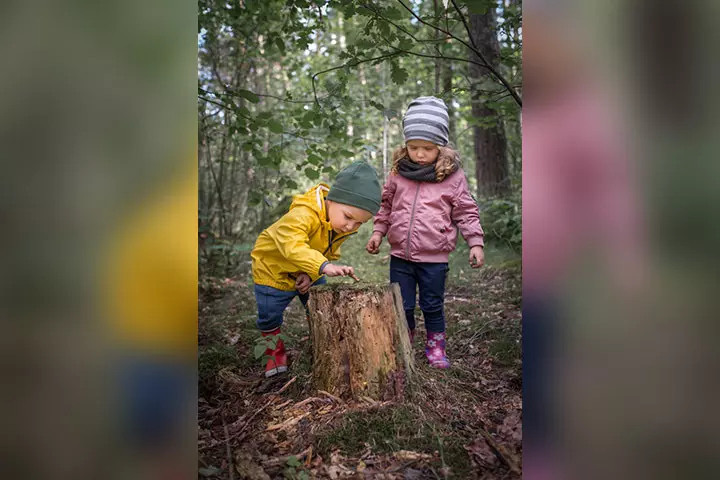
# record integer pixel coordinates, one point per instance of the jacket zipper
(331, 242)
(412, 217)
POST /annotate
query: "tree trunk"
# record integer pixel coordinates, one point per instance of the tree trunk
(490, 143)
(360, 341)
(447, 74)
(447, 87)
(438, 61)
(386, 126)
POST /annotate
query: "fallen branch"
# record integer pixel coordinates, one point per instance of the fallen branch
(328, 394)
(501, 452)
(287, 423)
(286, 385)
(269, 402)
(228, 451)
(306, 401)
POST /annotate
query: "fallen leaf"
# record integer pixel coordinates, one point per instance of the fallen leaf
(408, 455)
(511, 428)
(248, 469)
(209, 472)
(335, 457)
(412, 474)
(481, 453)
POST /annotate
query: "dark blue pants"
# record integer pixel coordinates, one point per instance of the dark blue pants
(156, 395)
(430, 277)
(271, 304)
(539, 342)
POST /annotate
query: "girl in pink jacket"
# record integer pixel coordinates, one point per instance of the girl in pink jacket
(424, 202)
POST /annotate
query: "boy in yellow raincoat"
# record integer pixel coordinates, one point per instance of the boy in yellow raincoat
(295, 252)
(150, 288)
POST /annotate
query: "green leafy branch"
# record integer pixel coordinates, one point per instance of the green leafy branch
(351, 63)
(262, 344)
(472, 48)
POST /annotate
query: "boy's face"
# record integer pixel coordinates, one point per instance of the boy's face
(422, 152)
(346, 218)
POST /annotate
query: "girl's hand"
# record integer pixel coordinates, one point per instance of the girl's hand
(302, 283)
(477, 257)
(373, 245)
(339, 271)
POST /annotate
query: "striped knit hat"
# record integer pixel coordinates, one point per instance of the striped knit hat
(427, 119)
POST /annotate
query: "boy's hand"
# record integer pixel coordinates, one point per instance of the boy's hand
(477, 257)
(339, 271)
(373, 245)
(302, 283)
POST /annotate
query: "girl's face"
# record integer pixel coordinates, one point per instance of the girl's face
(422, 152)
(346, 218)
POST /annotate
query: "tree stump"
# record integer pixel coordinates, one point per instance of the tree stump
(360, 341)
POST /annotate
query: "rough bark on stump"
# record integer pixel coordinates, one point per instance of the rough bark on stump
(360, 341)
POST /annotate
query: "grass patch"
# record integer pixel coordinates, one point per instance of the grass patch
(394, 429)
(506, 350)
(211, 360)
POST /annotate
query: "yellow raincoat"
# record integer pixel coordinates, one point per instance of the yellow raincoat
(301, 241)
(151, 278)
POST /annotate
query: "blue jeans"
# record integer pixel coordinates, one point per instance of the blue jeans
(539, 341)
(271, 304)
(156, 395)
(430, 277)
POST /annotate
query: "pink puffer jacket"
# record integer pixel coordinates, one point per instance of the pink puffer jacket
(421, 219)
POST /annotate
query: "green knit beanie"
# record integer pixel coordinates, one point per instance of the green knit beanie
(358, 186)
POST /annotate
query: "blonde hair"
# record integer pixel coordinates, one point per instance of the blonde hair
(445, 164)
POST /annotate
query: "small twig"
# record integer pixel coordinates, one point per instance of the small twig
(222, 105)
(286, 386)
(269, 402)
(328, 394)
(499, 451)
(401, 467)
(282, 405)
(232, 93)
(307, 400)
(441, 57)
(446, 32)
(308, 458)
(287, 423)
(352, 63)
(231, 465)
(378, 15)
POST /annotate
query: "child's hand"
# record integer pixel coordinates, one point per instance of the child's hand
(373, 245)
(339, 271)
(302, 283)
(477, 257)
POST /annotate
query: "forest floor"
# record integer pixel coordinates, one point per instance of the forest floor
(464, 422)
